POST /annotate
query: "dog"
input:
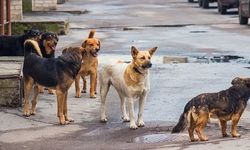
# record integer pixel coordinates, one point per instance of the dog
(225, 105)
(14, 45)
(131, 82)
(47, 44)
(55, 73)
(89, 66)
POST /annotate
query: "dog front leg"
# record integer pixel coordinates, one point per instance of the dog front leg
(235, 121)
(223, 125)
(60, 107)
(93, 77)
(65, 109)
(140, 121)
(132, 113)
(84, 86)
(77, 86)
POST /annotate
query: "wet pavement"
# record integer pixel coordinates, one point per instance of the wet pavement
(217, 49)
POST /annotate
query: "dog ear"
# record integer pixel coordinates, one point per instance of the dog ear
(99, 44)
(237, 81)
(134, 51)
(84, 44)
(152, 50)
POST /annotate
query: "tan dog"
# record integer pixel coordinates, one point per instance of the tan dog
(131, 82)
(89, 66)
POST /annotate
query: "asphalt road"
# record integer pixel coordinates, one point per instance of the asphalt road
(178, 29)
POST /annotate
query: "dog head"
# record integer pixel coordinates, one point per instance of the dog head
(142, 59)
(32, 34)
(241, 81)
(49, 41)
(92, 45)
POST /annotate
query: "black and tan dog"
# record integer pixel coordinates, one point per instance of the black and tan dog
(47, 44)
(225, 105)
(14, 45)
(55, 73)
(89, 66)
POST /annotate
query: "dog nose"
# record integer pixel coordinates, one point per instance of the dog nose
(149, 65)
(97, 49)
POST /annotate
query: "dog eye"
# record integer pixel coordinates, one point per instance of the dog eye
(91, 44)
(142, 57)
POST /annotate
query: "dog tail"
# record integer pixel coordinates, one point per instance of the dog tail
(91, 34)
(183, 120)
(31, 46)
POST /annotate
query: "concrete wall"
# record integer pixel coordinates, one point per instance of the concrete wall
(44, 5)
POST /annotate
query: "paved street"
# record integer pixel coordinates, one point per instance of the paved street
(178, 29)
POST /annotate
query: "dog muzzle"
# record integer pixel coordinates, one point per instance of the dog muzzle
(146, 66)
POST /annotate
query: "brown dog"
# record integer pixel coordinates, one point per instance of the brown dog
(55, 73)
(225, 105)
(89, 66)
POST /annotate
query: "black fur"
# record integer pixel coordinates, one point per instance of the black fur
(49, 72)
(47, 36)
(14, 45)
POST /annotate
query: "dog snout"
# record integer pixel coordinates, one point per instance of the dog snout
(149, 65)
(97, 49)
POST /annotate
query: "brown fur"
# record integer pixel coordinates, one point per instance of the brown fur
(225, 105)
(59, 77)
(89, 66)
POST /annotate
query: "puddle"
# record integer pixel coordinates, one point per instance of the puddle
(156, 138)
(217, 59)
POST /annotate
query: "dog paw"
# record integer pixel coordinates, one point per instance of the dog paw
(236, 135)
(92, 96)
(103, 120)
(125, 119)
(133, 126)
(26, 113)
(33, 113)
(70, 119)
(64, 122)
(141, 124)
(77, 96)
(204, 139)
(193, 140)
(225, 135)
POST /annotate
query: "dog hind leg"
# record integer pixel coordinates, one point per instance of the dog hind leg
(93, 78)
(223, 125)
(34, 101)
(28, 84)
(104, 88)
(77, 86)
(84, 86)
(125, 117)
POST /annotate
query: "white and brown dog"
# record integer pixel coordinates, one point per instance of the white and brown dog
(131, 81)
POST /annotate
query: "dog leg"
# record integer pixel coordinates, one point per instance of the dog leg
(104, 88)
(60, 107)
(77, 86)
(50, 91)
(235, 120)
(223, 125)
(34, 101)
(96, 84)
(191, 133)
(65, 109)
(84, 86)
(28, 83)
(92, 85)
(200, 132)
(133, 125)
(125, 117)
(41, 89)
(140, 121)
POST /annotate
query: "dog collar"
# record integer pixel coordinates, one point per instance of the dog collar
(137, 70)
